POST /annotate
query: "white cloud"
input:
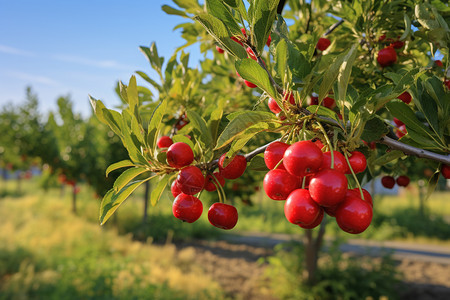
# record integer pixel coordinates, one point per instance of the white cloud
(15, 51)
(32, 78)
(105, 64)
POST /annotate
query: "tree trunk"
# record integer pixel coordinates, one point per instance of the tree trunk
(312, 249)
(74, 199)
(146, 195)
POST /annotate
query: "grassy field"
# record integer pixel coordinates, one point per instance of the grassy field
(46, 252)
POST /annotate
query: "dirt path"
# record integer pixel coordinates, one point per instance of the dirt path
(238, 269)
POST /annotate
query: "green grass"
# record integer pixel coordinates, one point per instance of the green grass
(46, 252)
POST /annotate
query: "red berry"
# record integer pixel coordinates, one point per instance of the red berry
(357, 161)
(323, 44)
(210, 182)
(187, 208)
(354, 215)
(329, 102)
(175, 189)
(234, 169)
(223, 215)
(387, 56)
(340, 164)
(300, 208)
(388, 182)
(405, 97)
(278, 184)
(273, 106)
(251, 53)
(447, 83)
(314, 100)
(331, 211)
(249, 84)
(397, 44)
(445, 171)
(398, 122)
(319, 144)
(269, 40)
(401, 131)
(328, 187)
(274, 153)
(244, 32)
(315, 223)
(302, 158)
(220, 50)
(179, 155)
(164, 142)
(403, 181)
(289, 96)
(438, 63)
(190, 180)
(237, 40)
(382, 38)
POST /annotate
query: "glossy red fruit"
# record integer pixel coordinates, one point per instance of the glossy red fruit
(251, 54)
(328, 187)
(234, 169)
(164, 142)
(367, 197)
(340, 164)
(438, 63)
(401, 131)
(220, 50)
(357, 161)
(331, 211)
(278, 184)
(447, 83)
(323, 44)
(319, 144)
(387, 56)
(354, 215)
(190, 180)
(237, 40)
(405, 97)
(314, 100)
(329, 102)
(175, 189)
(244, 32)
(179, 155)
(210, 182)
(403, 180)
(249, 84)
(302, 158)
(223, 215)
(269, 40)
(273, 106)
(300, 208)
(445, 171)
(187, 208)
(355, 192)
(315, 223)
(289, 96)
(397, 44)
(382, 38)
(274, 153)
(398, 122)
(388, 182)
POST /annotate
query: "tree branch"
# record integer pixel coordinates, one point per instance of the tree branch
(410, 150)
(333, 27)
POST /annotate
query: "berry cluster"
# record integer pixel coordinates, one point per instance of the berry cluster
(311, 184)
(389, 181)
(191, 181)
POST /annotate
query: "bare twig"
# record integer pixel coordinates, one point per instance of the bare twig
(333, 27)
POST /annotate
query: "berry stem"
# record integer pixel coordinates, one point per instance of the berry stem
(329, 144)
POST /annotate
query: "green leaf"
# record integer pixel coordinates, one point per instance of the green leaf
(132, 93)
(183, 139)
(98, 107)
(257, 163)
(118, 165)
(253, 72)
(415, 128)
(242, 139)
(149, 80)
(281, 56)
(113, 120)
(239, 6)
(112, 200)
(214, 121)
(127, 176)
(155, 124)
(263, 15)
(323, 111)
(240, 123)
(172, 11)
(407, 27)
(222, 12)
(217, 29)
(159, 188)
(432, 183)
(345, 70)
(330, 77)
(388, 157)
(374, 129)
(199, 124)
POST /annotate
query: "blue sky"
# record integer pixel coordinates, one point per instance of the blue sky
(79, 47)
